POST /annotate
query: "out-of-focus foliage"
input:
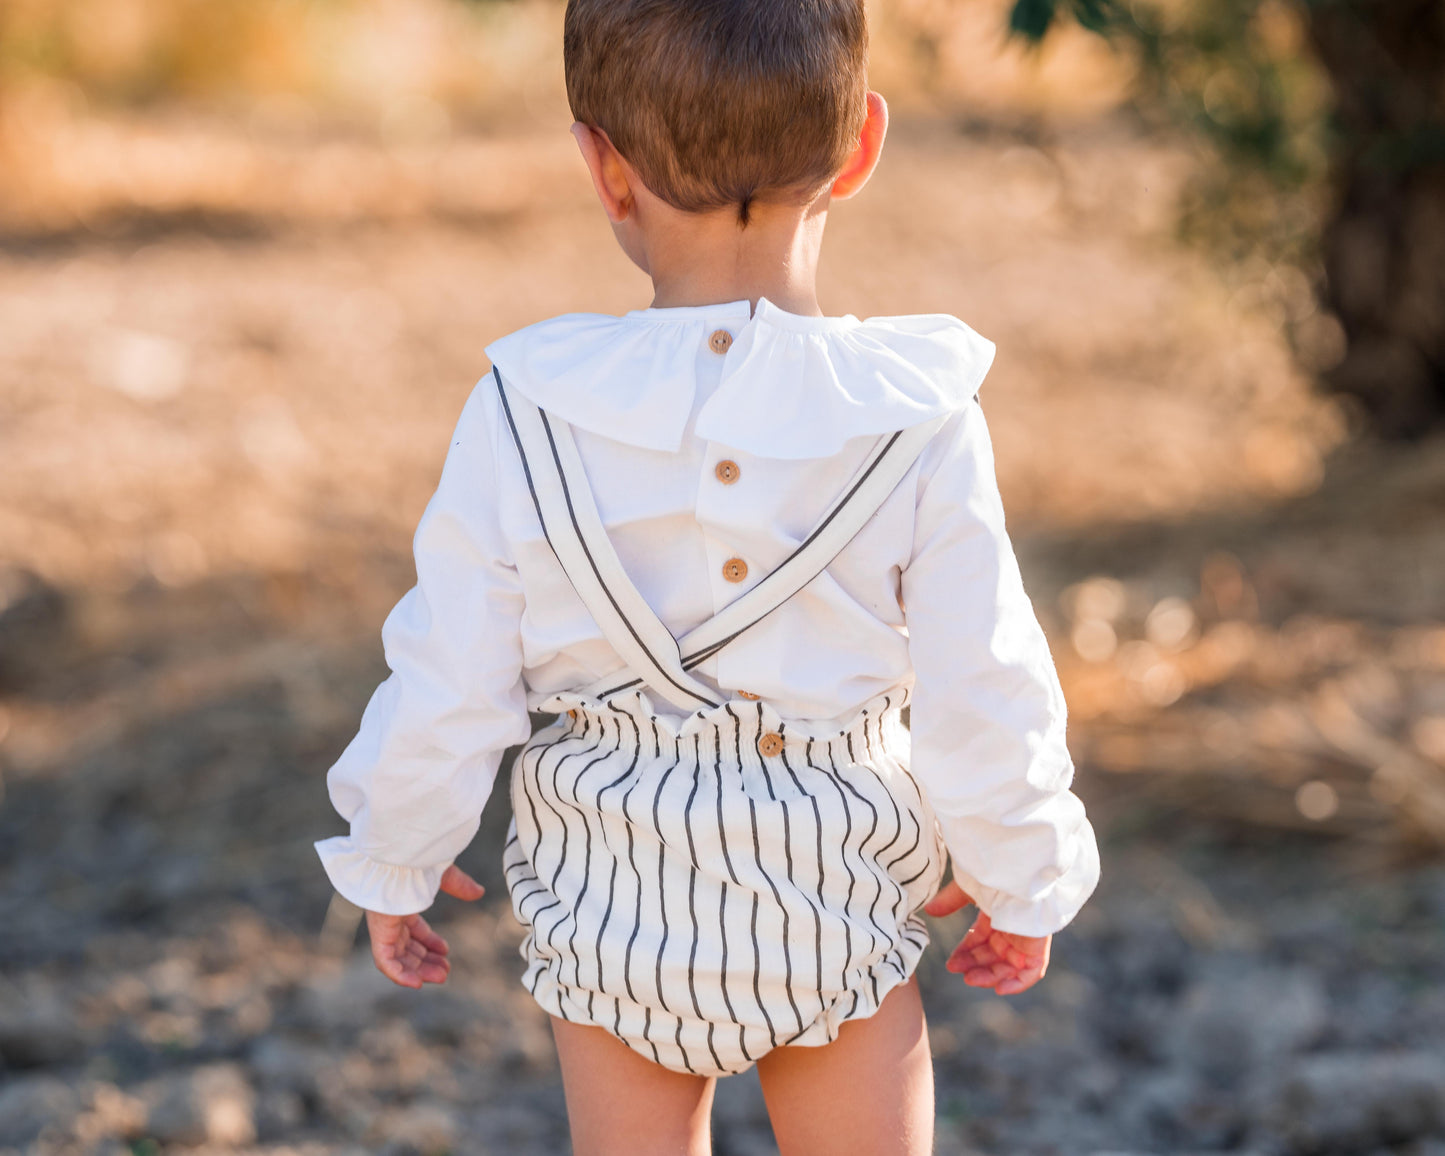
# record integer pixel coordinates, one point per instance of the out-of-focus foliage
(1239, 72)
(1330, 115)
(412, 59)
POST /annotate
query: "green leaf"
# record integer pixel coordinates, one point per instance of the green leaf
(1031, 18)
(1095, 15)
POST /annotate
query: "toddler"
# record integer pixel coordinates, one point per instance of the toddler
(726, 540)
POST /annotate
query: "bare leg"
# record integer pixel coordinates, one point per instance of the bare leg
(619, 1104)
(868, 1093)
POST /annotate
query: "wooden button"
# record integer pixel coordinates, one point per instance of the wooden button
(735, 569)
(727, 472)
(749, 695)
(720, 341)
(770, 744)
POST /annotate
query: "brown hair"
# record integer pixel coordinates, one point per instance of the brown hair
(722, 102)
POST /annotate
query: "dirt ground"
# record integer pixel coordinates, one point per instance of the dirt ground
(220, 417)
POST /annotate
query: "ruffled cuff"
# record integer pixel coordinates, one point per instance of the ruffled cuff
(374, 886)
(1054, 905)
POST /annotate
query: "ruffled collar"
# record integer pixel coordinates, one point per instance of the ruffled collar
(792, 386)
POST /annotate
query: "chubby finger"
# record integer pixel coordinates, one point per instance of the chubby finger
(416, 955)
(977, 944)
(990, 976)
(432, 968)
(1024, 978)
(950, 898)
(394, 968)
(458, 883)
(976, 955)
(1013, 984)
(420, 930)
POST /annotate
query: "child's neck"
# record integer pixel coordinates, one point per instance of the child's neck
(708, 258)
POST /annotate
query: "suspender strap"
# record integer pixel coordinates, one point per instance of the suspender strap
(575, 531)
(885, 466)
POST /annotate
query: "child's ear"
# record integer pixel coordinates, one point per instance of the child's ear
(609, 171)
(861, 164)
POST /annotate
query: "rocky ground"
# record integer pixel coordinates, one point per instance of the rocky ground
(218, 425)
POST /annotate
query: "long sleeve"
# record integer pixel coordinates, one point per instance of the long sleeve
(414, 779)
(988, 714)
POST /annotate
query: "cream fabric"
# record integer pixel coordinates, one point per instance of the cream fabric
(493, 625)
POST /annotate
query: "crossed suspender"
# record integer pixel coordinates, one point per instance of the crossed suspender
(575, 531)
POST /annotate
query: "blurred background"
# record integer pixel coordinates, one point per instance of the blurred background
(250, 254)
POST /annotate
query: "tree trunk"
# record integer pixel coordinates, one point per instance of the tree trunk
(1384, 247)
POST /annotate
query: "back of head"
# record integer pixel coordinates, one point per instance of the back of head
(722, 102)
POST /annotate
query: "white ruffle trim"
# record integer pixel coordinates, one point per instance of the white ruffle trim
(792, 386)
(385, 888)
(1056, 903)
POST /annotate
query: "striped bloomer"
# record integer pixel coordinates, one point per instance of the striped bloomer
(710, 890)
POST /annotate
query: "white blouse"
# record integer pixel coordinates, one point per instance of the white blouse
(927, 594)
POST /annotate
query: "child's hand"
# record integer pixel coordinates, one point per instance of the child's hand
(405, 949)
(1002, 960)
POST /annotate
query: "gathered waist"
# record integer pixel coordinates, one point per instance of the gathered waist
(740, 732)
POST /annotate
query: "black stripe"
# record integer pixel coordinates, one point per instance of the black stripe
(692, 893)
(575, 791)
(661, 892)
(570, 911)
(873, 757)
(533, 879)
(873, 906)
(627, 824)
(922, 807)
(522, 778)
(597, 573)
(915, 878)
(526, 467)
(721, 833)
(842, 785)
(723, 902)
(898, 912)
(677, 1039)
(843, 858)
(757, 947)
(541, 753)
(757, 974)
(632, 861)
(612, 882)
(897, 816)
(690, 661)
(792, 887)
(646, 1027)
(788, 848)
(567, 495)
(762, 761)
